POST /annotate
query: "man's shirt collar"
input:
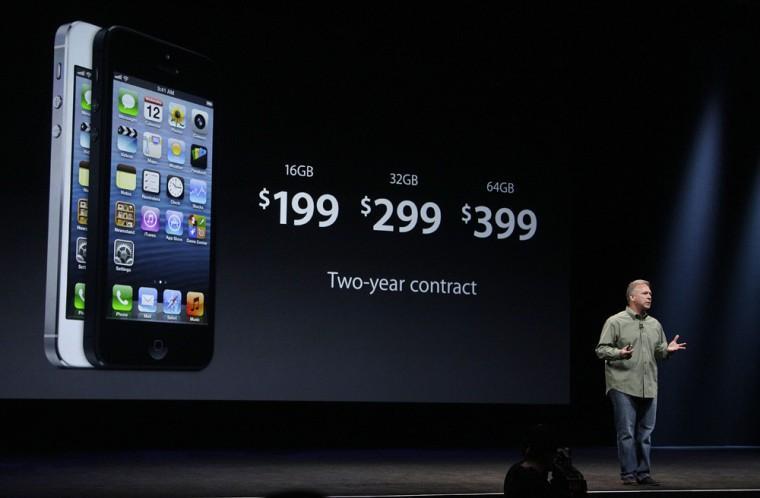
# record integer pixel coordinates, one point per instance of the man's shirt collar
(635, 316)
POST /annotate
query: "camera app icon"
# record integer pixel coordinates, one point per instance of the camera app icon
(84, 135)
(200, 119)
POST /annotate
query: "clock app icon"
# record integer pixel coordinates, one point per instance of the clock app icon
(175, 187)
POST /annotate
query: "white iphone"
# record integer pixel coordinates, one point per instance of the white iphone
(69, 187)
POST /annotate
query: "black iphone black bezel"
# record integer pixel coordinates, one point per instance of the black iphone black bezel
(130, 344)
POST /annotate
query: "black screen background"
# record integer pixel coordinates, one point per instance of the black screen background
(357, 113)
(615, 94)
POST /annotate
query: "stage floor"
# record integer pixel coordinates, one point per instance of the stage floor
(375, 473)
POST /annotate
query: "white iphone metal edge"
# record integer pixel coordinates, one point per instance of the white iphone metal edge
(63, 336)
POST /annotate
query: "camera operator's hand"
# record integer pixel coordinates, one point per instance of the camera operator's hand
(626, 352)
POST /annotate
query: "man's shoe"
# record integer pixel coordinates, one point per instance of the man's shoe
(648, 481)
(628, 481)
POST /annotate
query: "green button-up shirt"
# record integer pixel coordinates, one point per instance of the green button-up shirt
(636, 375)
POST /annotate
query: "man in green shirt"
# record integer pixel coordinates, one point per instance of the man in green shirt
(631, 343)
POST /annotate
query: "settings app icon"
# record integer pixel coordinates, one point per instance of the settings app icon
(124, 252)
(81, 250)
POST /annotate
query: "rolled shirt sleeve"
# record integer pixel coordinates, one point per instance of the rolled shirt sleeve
(606, 349)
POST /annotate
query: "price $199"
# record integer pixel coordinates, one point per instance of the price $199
(303, 205)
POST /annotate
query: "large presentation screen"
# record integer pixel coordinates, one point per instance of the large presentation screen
(389, 228)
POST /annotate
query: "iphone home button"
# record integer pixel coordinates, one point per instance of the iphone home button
(158, 349)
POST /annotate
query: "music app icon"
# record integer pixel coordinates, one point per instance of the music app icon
(195, 304)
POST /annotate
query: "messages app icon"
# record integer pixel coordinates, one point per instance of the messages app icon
(86, 101)
(128, 102)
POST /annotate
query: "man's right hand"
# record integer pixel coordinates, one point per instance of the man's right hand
(626, 352)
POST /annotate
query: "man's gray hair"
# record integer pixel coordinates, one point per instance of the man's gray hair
(632, 286)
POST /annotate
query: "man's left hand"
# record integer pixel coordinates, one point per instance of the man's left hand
(675, 345)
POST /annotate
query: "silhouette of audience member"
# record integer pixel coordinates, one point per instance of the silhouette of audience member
(529, 478)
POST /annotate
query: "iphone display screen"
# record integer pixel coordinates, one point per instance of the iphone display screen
(80, 183)
(160, 216)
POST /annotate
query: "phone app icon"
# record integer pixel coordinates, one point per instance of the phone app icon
(177, 115)
(196, 226)
(84, 135)
(175, 187)
(126, 177)
(198, 155)
(81, 250)
(197, 191)
(82, 212)
(121, 297)
(84, 173)
(172, 302)
(153, 109)
(176, 151)
(173, 222)
(195, 304)
(86, 97)
(200, 119)
(152, 145)
(123, 252)
(127, 139)
(149, 217)
(147, 299)
(151, 181)
(79, 296)
(128, 102)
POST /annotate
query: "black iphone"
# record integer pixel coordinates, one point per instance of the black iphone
(150, 272)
